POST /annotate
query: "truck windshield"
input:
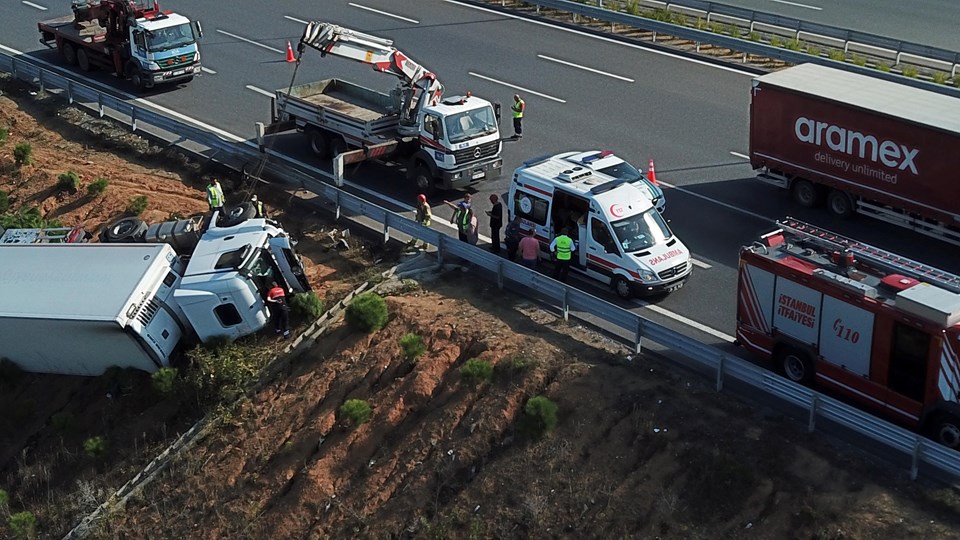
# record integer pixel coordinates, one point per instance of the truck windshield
(641, 231)
(471, 124)
(170, 37)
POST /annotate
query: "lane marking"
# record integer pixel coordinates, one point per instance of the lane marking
(259, 90)
(31, 4)
(231, 137)
(207, 70)
(509, 85)
(739, 155)
(689, 322)
(358, 6)
(585, 68)
(815, 8)
(250, 41)
(294, 19)
(603, 38)
(700, 264)
(714, 201)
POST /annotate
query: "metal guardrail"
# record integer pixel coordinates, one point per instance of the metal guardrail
(728, 42)
(920, 452)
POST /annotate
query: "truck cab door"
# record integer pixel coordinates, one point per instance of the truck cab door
(138, 44)
(289, 264)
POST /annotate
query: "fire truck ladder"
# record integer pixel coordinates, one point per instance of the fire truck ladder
(873, 256)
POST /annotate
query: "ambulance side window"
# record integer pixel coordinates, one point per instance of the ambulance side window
(601, 235)
(531, 207)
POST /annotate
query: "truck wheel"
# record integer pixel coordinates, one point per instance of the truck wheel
(319, 143)
(136, 77)
(622, 287)
(238, 214)
(68, 52)
(83, 60)
(805, 193)
(795, 365)
(839, 204)
(128, 229)
(424, 180)
(337, 146)
(945, 429)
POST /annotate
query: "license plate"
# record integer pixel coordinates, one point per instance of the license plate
(478, 174)
(178, 72)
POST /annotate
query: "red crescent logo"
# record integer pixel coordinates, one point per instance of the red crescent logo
(616, 210)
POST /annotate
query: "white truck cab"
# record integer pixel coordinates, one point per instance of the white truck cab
(622, 240)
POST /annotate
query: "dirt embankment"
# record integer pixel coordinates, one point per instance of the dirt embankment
(640, 450)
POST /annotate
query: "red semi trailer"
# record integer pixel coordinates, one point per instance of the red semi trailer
(860, 144)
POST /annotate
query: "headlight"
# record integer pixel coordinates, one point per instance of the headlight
(457, 176)
(151, 66)
(647, 275)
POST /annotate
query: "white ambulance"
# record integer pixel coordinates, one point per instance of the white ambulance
(621, 238)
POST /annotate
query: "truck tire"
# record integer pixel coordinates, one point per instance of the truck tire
(128, 229)
(622, 287)
(423, 180)
(805, 193)
(83, 60)
(840, 204)
(945, 429)
(319, 143)
(238, 214)
(68, 52)
(795, 365)
(133, 73)
(337, 146)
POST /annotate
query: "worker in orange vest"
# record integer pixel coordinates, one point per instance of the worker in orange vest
(277, 298)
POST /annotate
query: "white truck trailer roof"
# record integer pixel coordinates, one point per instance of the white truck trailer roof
(95, 282)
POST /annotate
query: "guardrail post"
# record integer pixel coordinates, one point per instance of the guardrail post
(638, 336)
(386, 228)
(566, 306)
(40, 76)
(720, 372)
(338, 170)
(133, 119)
(814, 405)
(100, 104)
(336, 207)
(917, 454)
(500, 275)
(69, 91)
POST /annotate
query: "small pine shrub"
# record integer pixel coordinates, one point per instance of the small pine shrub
(776, 41)
(95, 447)
(64, 422)
(367, 313)
(701, 24)
(735, 32)
(753, 36)
(4, 132)
(68, 181)
(716, 27)
(509, 368)
(837, 55)
(4, 202)
(23, 525)
(356, 412)
(813, 50)
(540, 416)
(883, 66)
(794, 45)
(164, 381)
(98, 186)
(476, 371)
(307, 305)
(23, 154)
(939, 77)
(221, 371)
(910, 71)
(858, 60)
(137, 205)
(412, 346)
(956, 82)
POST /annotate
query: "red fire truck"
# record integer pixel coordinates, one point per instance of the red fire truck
(879, 329)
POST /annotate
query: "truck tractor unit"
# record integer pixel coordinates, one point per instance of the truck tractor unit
(134, 298)
(622, 240)
(860, 145)
(133, 39)
(867, 325)
(446, 143)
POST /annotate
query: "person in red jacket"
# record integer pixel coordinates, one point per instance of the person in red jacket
(278, 309)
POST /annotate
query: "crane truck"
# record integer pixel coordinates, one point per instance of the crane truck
(447, 143)
(133, 39)
(73, 307)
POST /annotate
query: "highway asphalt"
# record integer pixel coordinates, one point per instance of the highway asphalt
(688, 115)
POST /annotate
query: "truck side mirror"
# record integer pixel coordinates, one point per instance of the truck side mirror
(199, 29)
(496, 111)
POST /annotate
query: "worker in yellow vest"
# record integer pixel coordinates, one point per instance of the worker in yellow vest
(215, 195)
(517, 109)
(563, 247)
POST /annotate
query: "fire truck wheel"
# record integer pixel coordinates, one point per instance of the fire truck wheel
(805, 193)
(69, 53)
(795, 365)
(839, 204)
(945, 429)
(622, 287)
(319, 143)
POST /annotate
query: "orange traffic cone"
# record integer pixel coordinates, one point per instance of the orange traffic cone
(290, 57)
(651, 173)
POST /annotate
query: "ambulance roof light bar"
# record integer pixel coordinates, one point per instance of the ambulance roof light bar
(595, 157)
(879, 258)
